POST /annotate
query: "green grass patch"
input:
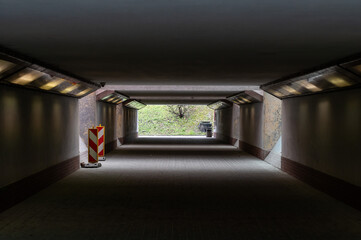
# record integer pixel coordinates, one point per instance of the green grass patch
(157, 120)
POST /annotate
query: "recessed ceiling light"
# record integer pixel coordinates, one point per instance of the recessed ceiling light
(69, 89)
(26, 77)
(308, 85)
(52, 84)
(83, 92)
(339, 82)
(290, 89)
(5, 65)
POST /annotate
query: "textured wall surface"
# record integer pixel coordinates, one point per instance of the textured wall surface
(324, 132)
(251, 123)
(106, 116)
(38, 131)
(272, 121)
(130, 124)
(236, 124)
(119, 119)
(224, 124)
(87, 115)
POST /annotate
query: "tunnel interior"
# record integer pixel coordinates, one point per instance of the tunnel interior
(281, 83)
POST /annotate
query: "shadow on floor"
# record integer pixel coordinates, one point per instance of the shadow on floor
(185, 192)
(176, 140)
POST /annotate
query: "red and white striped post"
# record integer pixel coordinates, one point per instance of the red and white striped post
(92, 149)
(93, 145)
(101, 144)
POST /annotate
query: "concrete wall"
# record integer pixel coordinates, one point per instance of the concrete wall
(251, 124)
(87, 119)
(223, 121)
(106, 116)
(324, 132)
(120, 122)
(236, 125)
(272, 121)
(38, 130)
(130, 124)
(272, 108)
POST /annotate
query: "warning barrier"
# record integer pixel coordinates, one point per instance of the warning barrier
(92, 149)
(93, 145)
(101, 145)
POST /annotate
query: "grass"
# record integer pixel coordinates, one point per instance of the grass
(156, 120)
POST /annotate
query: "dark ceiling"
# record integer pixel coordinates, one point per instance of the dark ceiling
(188, 42)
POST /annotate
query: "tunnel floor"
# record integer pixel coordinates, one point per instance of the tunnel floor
(157, 191)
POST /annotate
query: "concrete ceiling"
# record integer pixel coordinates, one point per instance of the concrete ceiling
(188, 42)
(178, 94)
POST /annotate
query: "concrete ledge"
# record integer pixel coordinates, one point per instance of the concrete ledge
(337, 188)
(130, 138)
(232, 140)
(253, 150)
(19, 191)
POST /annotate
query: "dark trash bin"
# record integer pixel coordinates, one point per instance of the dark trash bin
(209, 132)
(204, 125)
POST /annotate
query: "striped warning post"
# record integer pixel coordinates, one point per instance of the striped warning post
(93, 145)
(101, 145)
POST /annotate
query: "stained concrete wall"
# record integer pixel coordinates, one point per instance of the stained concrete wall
(223, 123)
(251, 124)
(38, 130)
(120, 121)
(87, 119)
(130, 124)
(257, 126)
(324, 132)
(272, 121)
(106, 116)
(236, 125)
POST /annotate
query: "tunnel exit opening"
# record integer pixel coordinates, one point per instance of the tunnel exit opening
(175, 120)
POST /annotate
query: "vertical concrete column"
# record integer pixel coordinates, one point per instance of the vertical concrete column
(130, 124)
(87, 119)
(106, 116)
(272, 121)
(236, 125)
(256, 127)
(120, 123)
(223, 119)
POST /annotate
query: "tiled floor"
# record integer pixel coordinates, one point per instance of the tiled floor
(180, 192)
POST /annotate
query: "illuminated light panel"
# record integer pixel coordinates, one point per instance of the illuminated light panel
(218, 105)
(69, 89)
(115, 100)
(27, 78)
(309, 86)
(245, 100)
(276, 93)
(52, 84)
(339, 82)
(105, 98)
(135, 104)
(290, 90)
(5, 65)
(110, 99)
(83, 92)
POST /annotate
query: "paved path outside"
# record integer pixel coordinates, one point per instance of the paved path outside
(180, 192)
